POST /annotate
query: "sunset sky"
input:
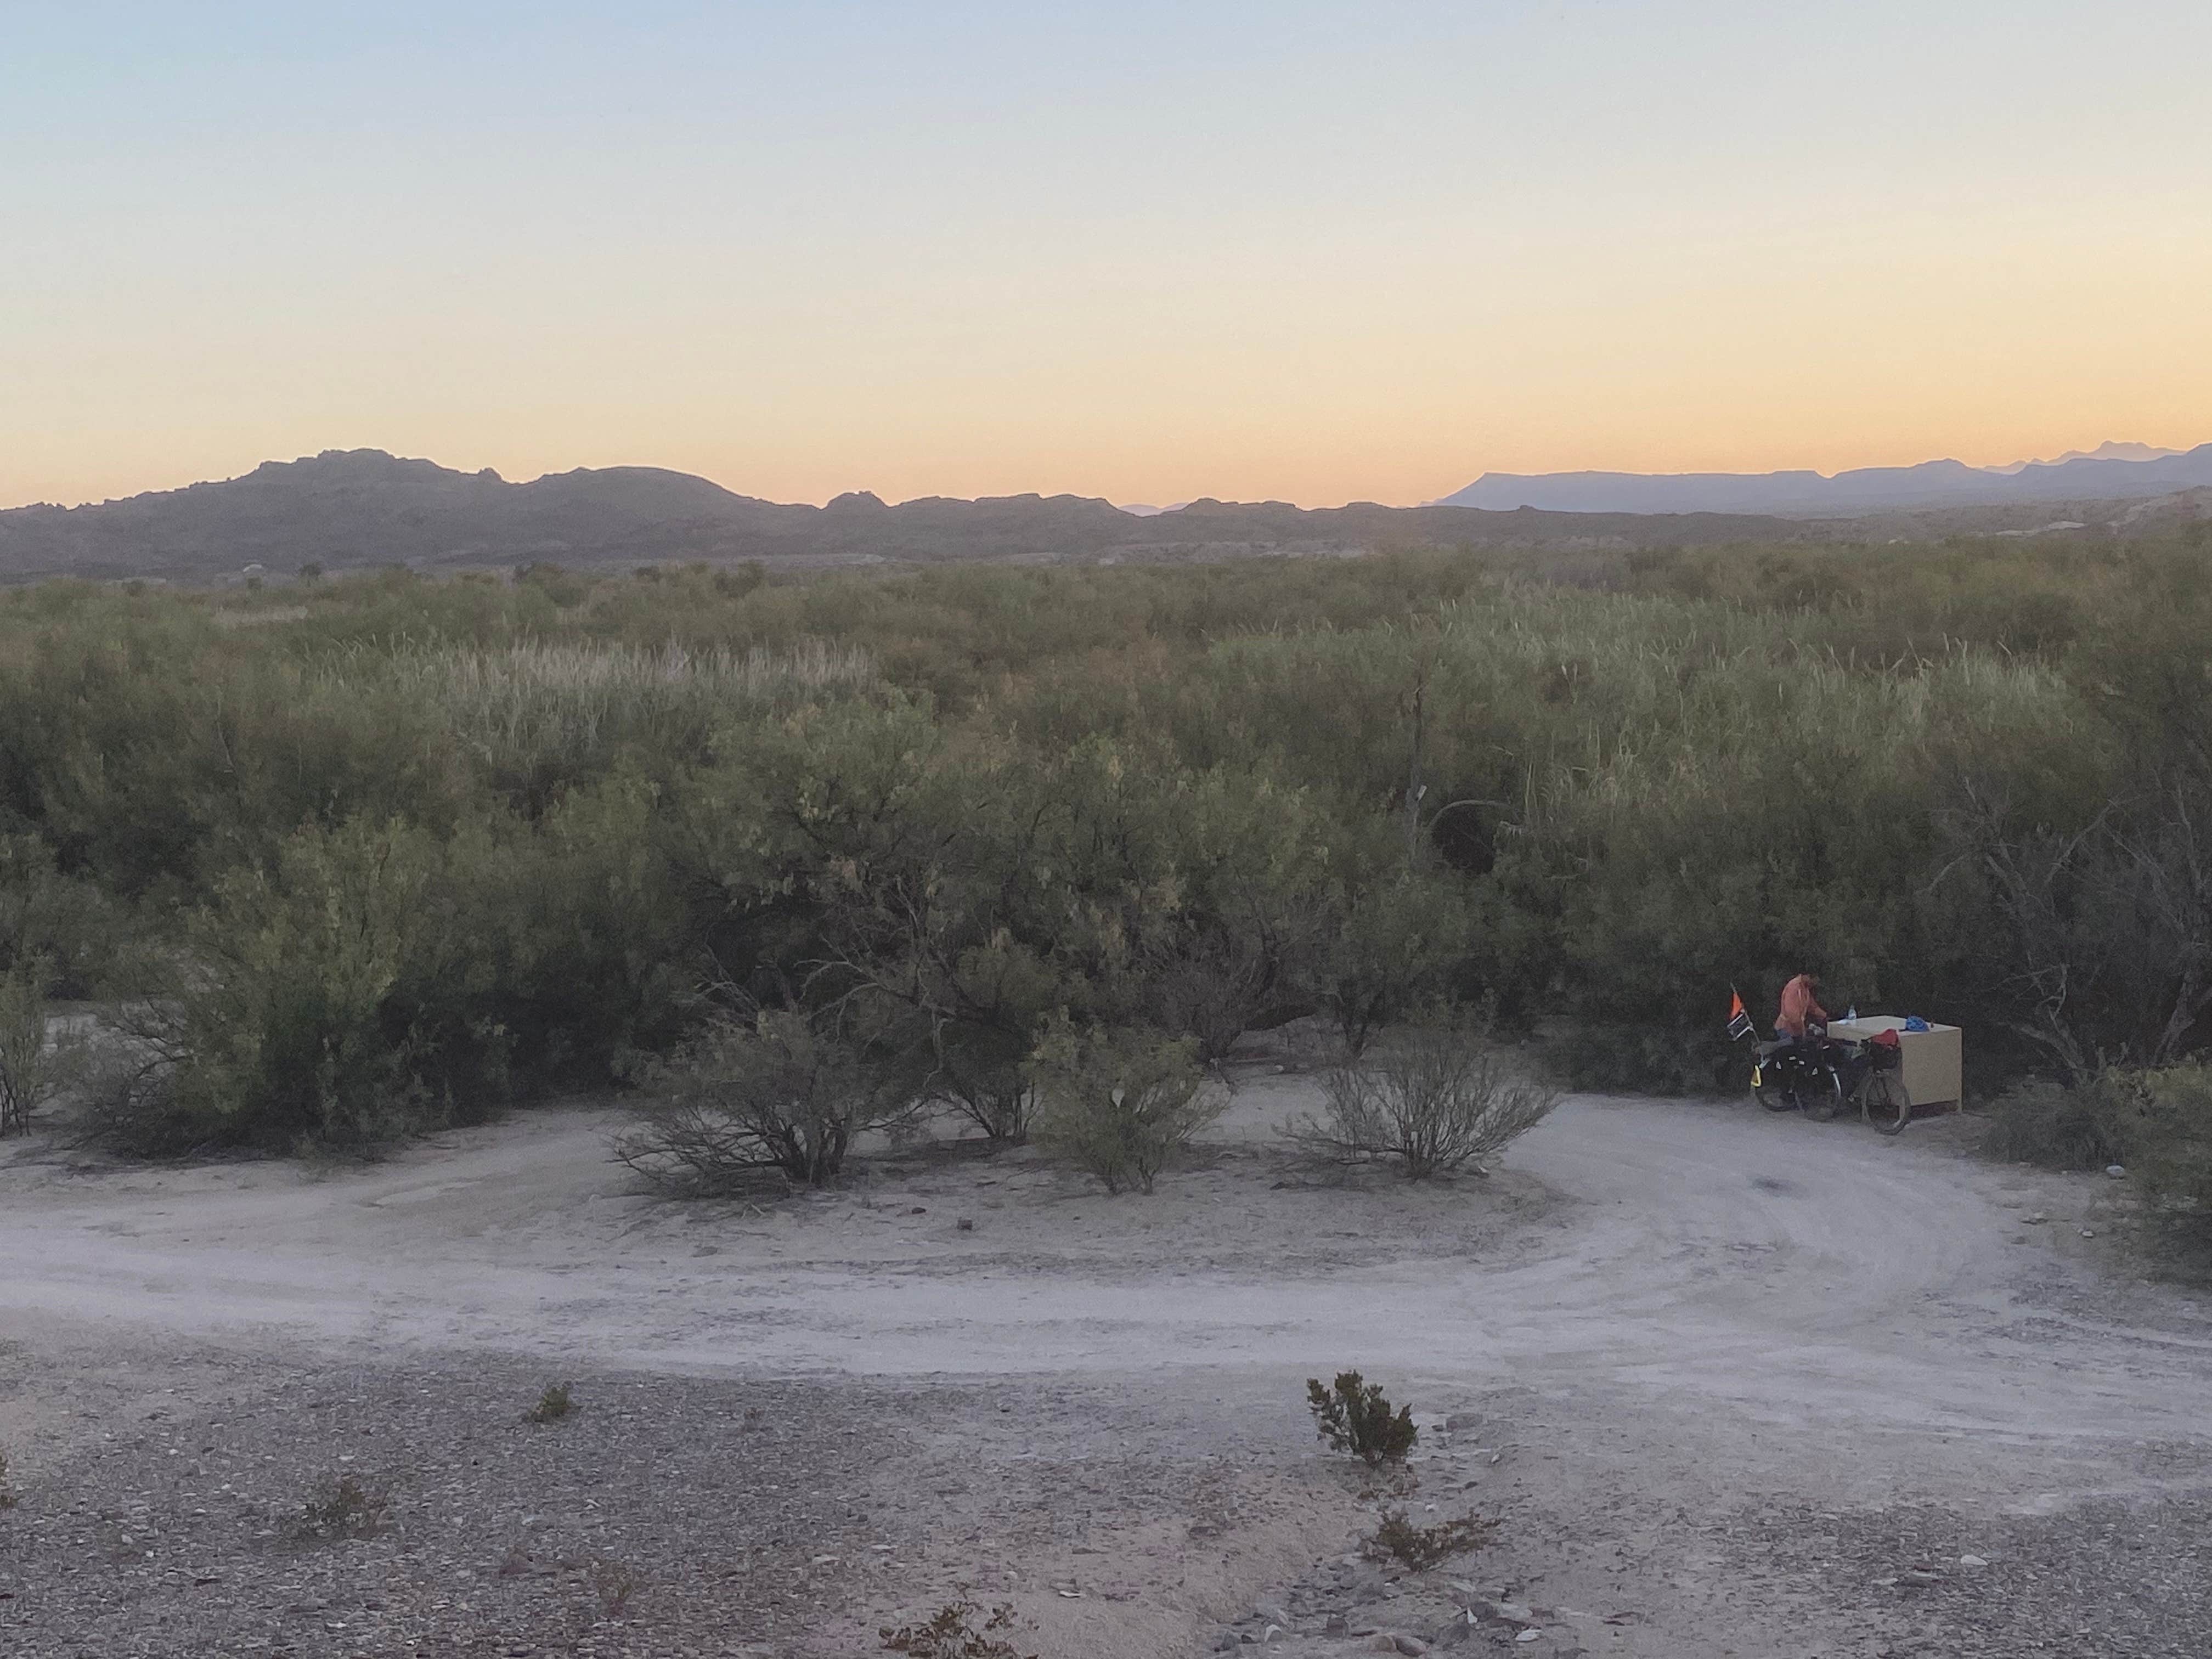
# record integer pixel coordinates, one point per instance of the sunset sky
(1316, 251)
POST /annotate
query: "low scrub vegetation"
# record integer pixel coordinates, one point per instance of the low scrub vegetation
(342, 1510)
(555, 1404)
(1396, 1538)
(1431, 1099)
(1120, 1105)
(1354, 1415)
(368, 854)
(779, 1094)
(959, 1630)
(2155, 1124)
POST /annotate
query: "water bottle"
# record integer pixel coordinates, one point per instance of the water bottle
(1851, 1012)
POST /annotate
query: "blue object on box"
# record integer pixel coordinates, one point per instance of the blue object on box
(1916, 1023)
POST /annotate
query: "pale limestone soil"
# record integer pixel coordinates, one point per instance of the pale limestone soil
(1680, 1327)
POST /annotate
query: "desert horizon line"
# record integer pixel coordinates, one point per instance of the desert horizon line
(2113, 449)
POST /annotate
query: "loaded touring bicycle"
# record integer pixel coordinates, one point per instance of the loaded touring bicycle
(1821, 1076)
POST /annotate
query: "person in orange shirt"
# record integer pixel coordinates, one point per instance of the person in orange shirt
(1800, 1006)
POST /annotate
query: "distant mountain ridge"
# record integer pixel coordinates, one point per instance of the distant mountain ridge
(355, 510)
(2113, 472)
(2107, 451)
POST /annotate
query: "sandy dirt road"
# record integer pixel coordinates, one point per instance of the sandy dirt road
(1736, 1383)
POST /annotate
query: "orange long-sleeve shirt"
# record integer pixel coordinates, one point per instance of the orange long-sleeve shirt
(1798, 1005)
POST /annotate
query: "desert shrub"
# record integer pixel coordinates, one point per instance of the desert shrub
(1120, 1104)
(1397, 1539)
(128, 1102)
(67, 923)
(35, 1069)
(1432, 1098)
(1354, 1415)
(2157, 1124)
(954, 1632)
(994, 1094)
(1611, 1057)
(1391, 942)
(341, 1510)
(781, 1093)
(328, 998)
(2086, 1126)
(2170, 1154)
(552, 1405)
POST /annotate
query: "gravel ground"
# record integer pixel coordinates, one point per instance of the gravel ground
(1576, 1572)
(1732, 1385)
(664, 1516)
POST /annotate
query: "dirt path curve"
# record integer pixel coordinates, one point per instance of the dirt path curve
(1687, 1302)
(1704, 1249)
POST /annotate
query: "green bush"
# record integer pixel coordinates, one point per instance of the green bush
(1417, 1549)
(1120, 1105)
(1354, 1415)
(783, 1093)
(556, 1403)
(68, 924)
(333, 999)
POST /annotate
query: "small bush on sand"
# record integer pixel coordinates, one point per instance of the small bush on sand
(780, 1093)
(552, 1405)
(342, 1509)
(1355, 1416)
(1433, 1098)
(1120, 1104)
(953, 1633)
(1420, 1549)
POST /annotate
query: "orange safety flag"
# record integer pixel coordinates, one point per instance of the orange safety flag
(1739, 1024)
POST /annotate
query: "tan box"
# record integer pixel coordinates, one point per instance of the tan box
(1933, 1060)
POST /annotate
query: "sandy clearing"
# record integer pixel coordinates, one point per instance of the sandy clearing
(1684, 1303)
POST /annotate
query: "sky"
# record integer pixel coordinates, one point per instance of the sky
(1293, 249)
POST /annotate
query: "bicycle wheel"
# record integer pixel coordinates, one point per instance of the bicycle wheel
(1886, 1105)
(1769, 1091)
(1820, 1094)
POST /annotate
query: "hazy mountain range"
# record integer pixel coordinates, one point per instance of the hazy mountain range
(2115, 471)
(354, 508)
(359, 509)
